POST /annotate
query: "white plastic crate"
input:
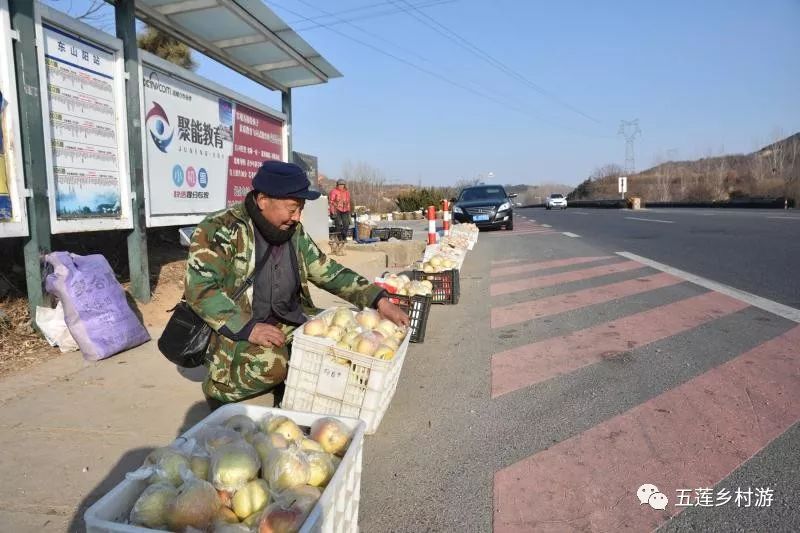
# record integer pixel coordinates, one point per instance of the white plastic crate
(456, 254)
(316, 382)
(335, 512)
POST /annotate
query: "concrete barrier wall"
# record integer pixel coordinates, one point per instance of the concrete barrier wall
(315, 219)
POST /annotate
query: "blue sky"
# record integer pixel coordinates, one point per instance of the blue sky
(703, 78)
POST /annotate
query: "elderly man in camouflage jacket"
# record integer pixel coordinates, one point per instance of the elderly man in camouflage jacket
(248, 354)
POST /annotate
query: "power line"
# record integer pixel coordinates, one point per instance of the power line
(454, 37)
(381, 38)
(425, 70)
(403, 60)
(317, 24)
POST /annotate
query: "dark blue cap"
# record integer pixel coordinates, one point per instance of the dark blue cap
(283, 180)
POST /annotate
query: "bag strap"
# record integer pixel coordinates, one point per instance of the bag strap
(251, 278)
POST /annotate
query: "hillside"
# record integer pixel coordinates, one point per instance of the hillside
(772, 171)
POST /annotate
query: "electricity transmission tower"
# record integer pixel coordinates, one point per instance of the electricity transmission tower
(629, 129)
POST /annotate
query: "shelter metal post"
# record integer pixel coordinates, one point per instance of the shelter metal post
(37, 244)
(286, 107)
(125, 11)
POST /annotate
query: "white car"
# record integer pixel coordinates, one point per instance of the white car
(555, 200)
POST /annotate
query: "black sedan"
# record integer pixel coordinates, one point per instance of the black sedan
(487, 206)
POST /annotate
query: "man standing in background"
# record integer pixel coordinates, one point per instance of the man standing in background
(340, 207)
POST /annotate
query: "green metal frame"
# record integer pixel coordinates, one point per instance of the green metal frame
(37, 244)
(138, 262)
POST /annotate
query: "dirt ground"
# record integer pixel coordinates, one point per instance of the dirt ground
(21, 347)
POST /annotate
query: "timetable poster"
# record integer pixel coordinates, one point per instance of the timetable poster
(83, 126)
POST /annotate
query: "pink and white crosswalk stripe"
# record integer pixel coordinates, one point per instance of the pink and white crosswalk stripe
(693, 435)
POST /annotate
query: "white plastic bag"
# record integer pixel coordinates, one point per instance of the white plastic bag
(51, 323)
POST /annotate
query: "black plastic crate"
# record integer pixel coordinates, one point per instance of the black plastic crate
(403, 234)
(446, 289)
(418, 308)
(380, 233)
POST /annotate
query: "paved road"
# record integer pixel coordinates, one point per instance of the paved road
(757, 251)
(568, 376)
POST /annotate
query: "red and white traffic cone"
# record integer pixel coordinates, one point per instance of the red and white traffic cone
(431, 225)
(446, 217)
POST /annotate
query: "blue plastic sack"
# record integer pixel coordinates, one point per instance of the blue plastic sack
(95, 309)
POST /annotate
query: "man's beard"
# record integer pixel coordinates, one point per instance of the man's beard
(271, 233)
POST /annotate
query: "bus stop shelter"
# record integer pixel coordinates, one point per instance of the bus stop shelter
(244, 35)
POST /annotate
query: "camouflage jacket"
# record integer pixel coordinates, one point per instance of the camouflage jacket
(222, 256)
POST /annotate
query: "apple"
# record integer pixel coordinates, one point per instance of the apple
(310, 445)
(242, 424)
(224, 497)
(286, 469)
(350, 338)
(200, 465)
(366, 344)
(152, 506)
(169, 467)
(391, 342)
(320, 468)
(368, 318)
(304, 497)
(386, 327)
(251, 498)
(315, 327)
(225, 516)
(331, 434)
(195, 505)
(342, 317)
(264, 444)
(277, 519)
(334, 332)
(384, 352)
(289, 430)
(232, 466)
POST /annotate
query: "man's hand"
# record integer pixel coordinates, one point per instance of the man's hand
(391, 312)
(267, 335)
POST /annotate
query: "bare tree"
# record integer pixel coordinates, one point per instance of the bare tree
(97, 13)
(776, 155)
(672, 156)
(367, 185)
(714, 172)
(719, 189)
(660, 189)
(792, 173)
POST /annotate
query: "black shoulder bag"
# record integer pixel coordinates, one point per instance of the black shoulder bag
(185, 339)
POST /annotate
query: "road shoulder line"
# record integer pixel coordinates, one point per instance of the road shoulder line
(771, 306)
